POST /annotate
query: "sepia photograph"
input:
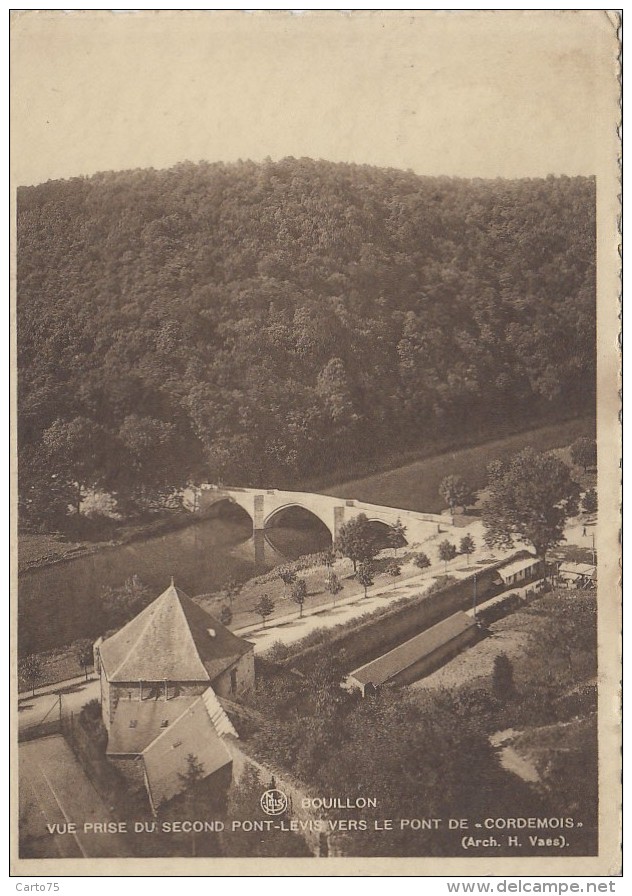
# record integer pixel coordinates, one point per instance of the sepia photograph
(316, 445)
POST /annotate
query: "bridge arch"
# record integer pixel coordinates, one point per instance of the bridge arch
(300, 506)
(216, 502)
(380, 529)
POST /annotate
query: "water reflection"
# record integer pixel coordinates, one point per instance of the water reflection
(61, 602)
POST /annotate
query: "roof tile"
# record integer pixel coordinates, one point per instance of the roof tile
(170, 641)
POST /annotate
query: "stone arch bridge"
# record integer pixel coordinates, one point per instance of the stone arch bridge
(263, 504)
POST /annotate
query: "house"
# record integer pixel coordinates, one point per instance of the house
(520, 570)
(417, 657)
(161, 676)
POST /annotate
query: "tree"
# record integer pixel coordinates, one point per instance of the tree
(190, 784)
(332, 387)
(178, 382)
(299, 594)
(154, 455)
(232, 589)
(589, 501)
(31, 670)
(328, 558)
(394, 570)
(264, 607)
(120, 604)
(83, 651)
(365, 574)
(226, 615)
(447, 552)
(76, 451)
(44, 500)
(584, 453)
(456, 492)
(530, 499)
(287, 576)
(502, 678)
(422, 561)
(356, 540)
(397, 535)
(467, 546)
(334, 585)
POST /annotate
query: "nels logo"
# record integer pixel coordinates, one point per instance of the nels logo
(273, 801)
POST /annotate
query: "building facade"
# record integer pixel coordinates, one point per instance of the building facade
(160, 678)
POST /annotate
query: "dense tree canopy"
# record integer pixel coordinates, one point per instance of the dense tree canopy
(456, 492)
(356, 540)
(584, 453)
(258, 322)
(529, 500)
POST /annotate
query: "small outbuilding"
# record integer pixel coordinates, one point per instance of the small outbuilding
(417, 657)
(577, 575)
(519, 571)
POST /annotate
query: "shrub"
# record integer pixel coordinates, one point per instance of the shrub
(502, 679)
(277, 652)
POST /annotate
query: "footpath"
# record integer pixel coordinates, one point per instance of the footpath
(290, 628)
(57, 687)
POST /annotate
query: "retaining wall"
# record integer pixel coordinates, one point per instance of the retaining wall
(362, 643)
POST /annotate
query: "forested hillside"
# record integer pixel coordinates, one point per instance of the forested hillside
(260, 322)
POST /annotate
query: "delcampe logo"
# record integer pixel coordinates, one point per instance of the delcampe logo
(274, 802)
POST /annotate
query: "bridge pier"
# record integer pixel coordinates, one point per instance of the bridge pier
(262, 504)
(339, 518)
(259, 541)
(258, 528)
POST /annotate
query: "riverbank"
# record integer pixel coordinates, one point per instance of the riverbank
(316, 577)
(37, 551)
(409, 480)
(61, 663)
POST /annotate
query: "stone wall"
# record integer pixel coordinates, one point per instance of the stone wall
(245, 678)
(365, 642)
(321, 843)
(113, 692)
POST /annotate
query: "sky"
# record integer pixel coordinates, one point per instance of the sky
(500, 94)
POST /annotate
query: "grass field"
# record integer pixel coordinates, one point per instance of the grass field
(416, 485)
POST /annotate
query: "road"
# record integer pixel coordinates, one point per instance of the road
(288, 629)
(291, 628)
(45, 707)
(55, 792)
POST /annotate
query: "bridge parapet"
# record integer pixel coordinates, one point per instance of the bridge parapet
(263, 504)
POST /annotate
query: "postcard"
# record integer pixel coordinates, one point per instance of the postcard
(316, 488)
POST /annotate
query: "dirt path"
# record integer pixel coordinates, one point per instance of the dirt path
(33, 711)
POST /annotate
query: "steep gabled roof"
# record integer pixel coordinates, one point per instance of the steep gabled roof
(171, 640)
(137, 723)
(165, 758)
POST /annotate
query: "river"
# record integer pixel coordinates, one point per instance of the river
(60, 602)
